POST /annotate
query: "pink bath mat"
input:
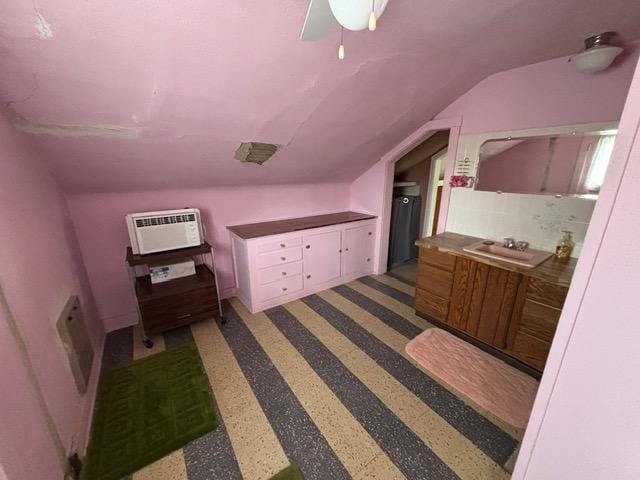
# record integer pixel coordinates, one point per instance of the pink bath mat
(497, 387)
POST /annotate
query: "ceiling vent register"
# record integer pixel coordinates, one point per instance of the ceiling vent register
(255, 152)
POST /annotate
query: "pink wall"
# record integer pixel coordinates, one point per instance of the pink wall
(545, 94)
(99, 223)
(586, 420)
(41, 267)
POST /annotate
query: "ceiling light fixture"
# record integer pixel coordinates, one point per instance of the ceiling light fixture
(598, 53)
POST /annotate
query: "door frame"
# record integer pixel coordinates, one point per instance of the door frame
(390, 158)
(431, 188)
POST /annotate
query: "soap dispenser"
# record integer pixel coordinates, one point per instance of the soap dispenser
(565, 246)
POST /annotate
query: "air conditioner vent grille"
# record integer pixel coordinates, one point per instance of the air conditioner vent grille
(154, 221)
(255, 152)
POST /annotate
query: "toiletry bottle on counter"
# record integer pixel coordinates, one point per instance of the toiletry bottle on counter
(565, 246)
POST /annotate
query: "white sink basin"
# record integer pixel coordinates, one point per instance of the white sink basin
(529, 258)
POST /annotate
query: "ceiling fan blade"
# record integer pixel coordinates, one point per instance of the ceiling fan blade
(318, 22)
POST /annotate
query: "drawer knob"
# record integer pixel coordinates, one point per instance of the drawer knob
(284, 273)
(283, 258)
(340, 251)
(308, 276)
(346, 249)
(282, 245)
(284, 289)
(369, 233)
(368, 259)
(308, 246)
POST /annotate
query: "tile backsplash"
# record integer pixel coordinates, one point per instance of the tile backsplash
(538, 219)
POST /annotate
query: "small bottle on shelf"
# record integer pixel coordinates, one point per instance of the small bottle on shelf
(565, 246)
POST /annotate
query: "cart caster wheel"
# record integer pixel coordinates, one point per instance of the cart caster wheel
(147, 342)
(223, 320)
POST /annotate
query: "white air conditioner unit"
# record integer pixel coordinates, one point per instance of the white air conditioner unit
(151, 232)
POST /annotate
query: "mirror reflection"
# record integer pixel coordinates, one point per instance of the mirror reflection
(546, 165)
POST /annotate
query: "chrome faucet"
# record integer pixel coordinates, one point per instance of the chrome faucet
(511, 243)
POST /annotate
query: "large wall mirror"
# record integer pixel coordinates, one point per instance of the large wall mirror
(557, 164)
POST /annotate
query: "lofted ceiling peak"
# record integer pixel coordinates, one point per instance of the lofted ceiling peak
(159, 94)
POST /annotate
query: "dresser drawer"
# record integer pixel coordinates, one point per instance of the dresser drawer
(435, 280)
(279, 272)
(431, 305)
(546, 293)
(539, 320)
(531, 350)
(271, 245)
(280, 288)
(172, 311)
(436, 258)
(279, 257)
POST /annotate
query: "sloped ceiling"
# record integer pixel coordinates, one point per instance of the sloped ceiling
(148, 94)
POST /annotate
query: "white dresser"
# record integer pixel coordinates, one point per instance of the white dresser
(276, 262)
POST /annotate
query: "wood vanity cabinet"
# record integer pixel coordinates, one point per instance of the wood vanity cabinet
(500, 310)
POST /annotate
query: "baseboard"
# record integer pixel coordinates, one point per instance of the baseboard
(228, 292)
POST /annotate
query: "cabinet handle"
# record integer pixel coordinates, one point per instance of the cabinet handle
(283, 258)
(185, 315)
(284, 289)
(284, 273)
(308, 246)
(282, 245)
(308, 276)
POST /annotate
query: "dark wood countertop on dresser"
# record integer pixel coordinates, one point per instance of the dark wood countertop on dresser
(262, 229)
(552, 270)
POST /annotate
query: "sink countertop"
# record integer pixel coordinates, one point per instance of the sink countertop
(552, 270)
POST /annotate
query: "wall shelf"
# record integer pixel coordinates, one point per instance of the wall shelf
(405, 184)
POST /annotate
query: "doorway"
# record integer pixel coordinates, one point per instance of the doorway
(415, 202)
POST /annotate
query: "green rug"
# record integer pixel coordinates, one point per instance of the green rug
(147, 410)
(292, 472)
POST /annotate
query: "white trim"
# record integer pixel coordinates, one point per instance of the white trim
(389, 160)
(432, 191)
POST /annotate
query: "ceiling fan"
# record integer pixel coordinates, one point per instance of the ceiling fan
(350, 14)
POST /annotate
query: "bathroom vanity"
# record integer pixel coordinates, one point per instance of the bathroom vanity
(508, 310)
(276, 262)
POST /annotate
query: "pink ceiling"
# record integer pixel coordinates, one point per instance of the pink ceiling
(191, 80)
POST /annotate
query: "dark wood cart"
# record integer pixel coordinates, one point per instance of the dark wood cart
(174, 303)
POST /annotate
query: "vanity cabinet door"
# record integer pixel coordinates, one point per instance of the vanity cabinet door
(482, 301)
(321, 257)
(357, 250)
